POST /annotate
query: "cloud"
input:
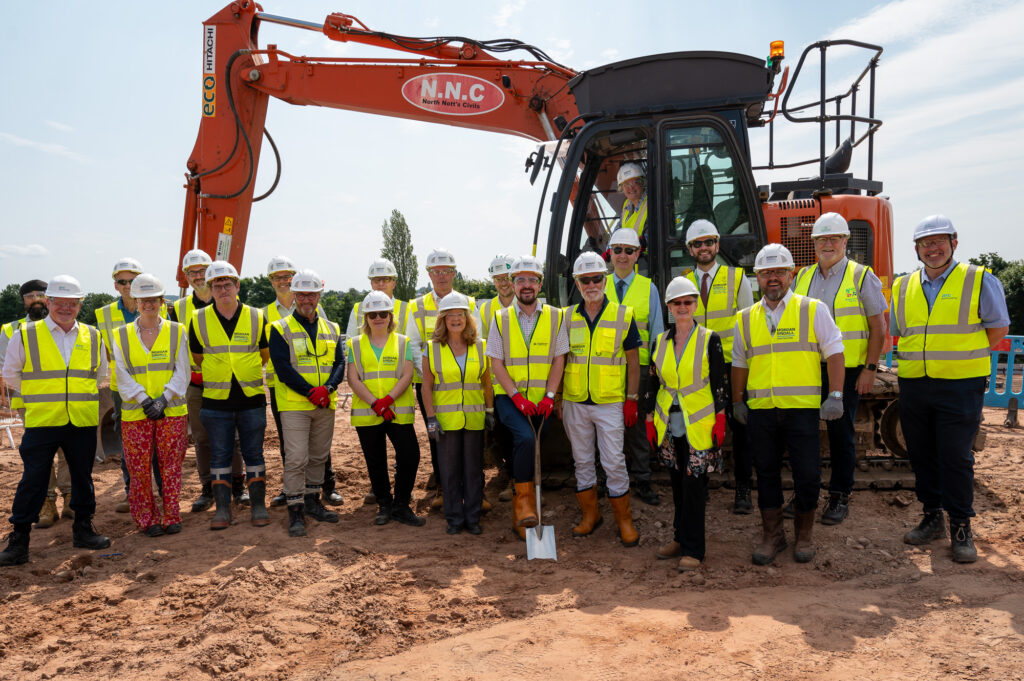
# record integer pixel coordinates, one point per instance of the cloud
(56, 125)
(506, 11)
(45, 147)
(906, 19)
(27, 251)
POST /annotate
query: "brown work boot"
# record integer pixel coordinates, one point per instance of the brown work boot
(591, 515)
(47, 514)
(624, 519)
(773, 539)
(66, 512)
(688, 564)
(669, 550)
(485, 506)
(526, 505)
(437, 503)
(123, 506)
(508, 493)
(803, 548)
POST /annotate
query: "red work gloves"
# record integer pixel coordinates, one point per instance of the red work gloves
(197, 377)
(652, 433)
(388, 414)
(381, 405)
(718, 431)
(524, 405)
(319, 396)
(629, 412)
(545, 407)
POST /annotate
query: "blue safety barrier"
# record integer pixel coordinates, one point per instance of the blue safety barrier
(1011, 357)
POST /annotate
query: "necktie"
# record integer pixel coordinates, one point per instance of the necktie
(704, 290)
(620, 288)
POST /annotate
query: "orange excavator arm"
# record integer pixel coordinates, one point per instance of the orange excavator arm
(453, 81)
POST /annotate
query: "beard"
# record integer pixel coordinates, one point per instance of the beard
(36, 311)
(527, 296)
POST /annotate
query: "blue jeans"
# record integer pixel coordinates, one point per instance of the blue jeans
(522, 436)
(221, 426)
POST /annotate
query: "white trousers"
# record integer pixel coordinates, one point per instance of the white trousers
(583, 424)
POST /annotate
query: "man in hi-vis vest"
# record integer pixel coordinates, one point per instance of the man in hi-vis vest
(949, 316)
(57, 365)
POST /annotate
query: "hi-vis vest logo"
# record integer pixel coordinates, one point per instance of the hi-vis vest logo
(209, 71)
(785, 333)
(453, 94)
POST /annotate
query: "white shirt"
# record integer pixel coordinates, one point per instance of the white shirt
(130, 389)
(746, 296)
(15, 360)
(830, 338)
(527, 323)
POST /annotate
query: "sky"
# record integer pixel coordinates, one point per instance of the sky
(103, 102)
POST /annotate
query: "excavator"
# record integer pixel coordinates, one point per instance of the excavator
(684, 117)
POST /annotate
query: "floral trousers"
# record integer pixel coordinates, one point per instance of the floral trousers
(170, 435)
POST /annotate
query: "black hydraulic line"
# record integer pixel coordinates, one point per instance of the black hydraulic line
(238, 126)
(547, 180)
(234, 147)
(277, 175)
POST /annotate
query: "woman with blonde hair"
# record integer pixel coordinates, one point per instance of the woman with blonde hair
(458, 402)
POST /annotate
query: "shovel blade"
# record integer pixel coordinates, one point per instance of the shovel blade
(540, 542)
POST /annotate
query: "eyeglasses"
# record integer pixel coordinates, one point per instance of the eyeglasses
(442, 271)
(149, 301)
(124, 282)
(686, 301)
(281, 277)
(196, 271)
(933, 243)
(527, 280)
(306, 296)
(831, 239)
(619, 250)
(381, 280)
(586, 281)
(35, 295)
(224, 286)
(700, 243)
(773, 274)
(377, 315)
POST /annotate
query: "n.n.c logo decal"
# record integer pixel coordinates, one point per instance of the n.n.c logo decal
(453, 94)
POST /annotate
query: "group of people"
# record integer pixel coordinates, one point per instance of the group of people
(627, 383)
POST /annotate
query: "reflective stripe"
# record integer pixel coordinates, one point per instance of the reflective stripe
(785, 391)
(980, 353)
(685, 380)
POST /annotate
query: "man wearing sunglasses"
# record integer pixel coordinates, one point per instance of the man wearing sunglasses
(854, 297)
(724, 291)
(600, 393)
(628, 288)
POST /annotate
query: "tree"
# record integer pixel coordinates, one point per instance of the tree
(993, 261)
(481, 289)
(11, 305)
(398, 249)
(90, 303)
(338, 304)
(256, 291)
(1011, 274)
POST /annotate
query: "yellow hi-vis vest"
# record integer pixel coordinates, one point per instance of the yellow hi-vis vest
(848, 309)
(637, 220)
(785, 366)
(596, 365)
(313, 361)
(948, 341)
(7, 331)
(723, 304)
(152, 369)
(271, 314)
(184, 310)
(424, 313)
(638, 297)
(489, 309)
(687, 380)
(401, 315)
(108, 319)
(56, 393)
(379, 377)
(224, 357)
(458, 396)
(528, 367)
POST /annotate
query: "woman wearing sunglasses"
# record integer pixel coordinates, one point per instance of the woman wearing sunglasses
(459, 402)
(688, 423)
(380, 373)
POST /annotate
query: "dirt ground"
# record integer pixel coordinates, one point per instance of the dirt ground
(357, 601)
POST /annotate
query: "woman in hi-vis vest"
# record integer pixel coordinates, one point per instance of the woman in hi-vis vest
(459, 403)
(151, 358)
(688, 423)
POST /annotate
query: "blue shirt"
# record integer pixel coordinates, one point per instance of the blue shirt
(129, 316)
(655, 323)
(991, 305)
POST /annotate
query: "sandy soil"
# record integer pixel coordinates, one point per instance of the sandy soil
(356, 601)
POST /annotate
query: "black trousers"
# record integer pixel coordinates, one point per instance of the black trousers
(940, 418)
(772, 432)
(460, 455)
(373, 440)
(38, 447)
(842, 443)
(636, 448)
(433, 445)
(688, 492)
(742, 465)
(329, 481)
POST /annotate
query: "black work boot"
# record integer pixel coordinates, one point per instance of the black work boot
(238, 490)
(16, 552)
(645, 493)
(84, 535)
(280, 500)
(296, 521)
(837, 508)
(403, 514)
(316, 509)
(742, 505)
(331, 496)
(383, 514)
(204, 500)
(222, 497)
(962, 540)
(929, 529)
(258, 507)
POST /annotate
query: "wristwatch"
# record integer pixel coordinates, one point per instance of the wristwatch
(871, 367)
(550, 395)
(837, 394)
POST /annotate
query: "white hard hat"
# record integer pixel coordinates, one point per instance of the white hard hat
(195, 257)
(127, 265)
(220, 268)
(932, 225)
(64, 286)
(501, 264)
(679, 287)
(527, 263)
(589, 263)
(773, 256)
(701, 229)
(624, 236)
(377, 301)
(830, 223)
(453, 301)
(440, 257)
(146, 286)
(307, 281)
(628, 171)
(382, 268)
(280, 263)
